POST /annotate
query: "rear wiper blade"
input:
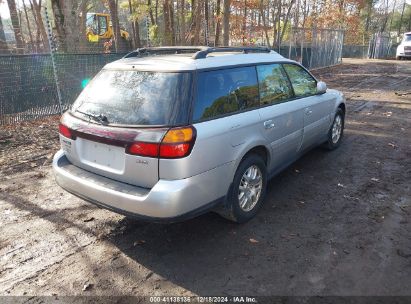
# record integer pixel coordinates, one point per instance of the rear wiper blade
(100, 118)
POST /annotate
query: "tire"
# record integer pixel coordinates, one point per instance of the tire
(398, 58)
(336, 132)
(244, 209)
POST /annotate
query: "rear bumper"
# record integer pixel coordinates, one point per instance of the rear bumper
(168, 200)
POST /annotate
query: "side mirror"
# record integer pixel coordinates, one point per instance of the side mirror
(321, 87)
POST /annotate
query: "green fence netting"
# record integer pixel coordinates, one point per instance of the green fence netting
(28, 87)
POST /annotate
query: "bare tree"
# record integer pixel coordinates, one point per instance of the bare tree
(218, 23)
(28, 26)
(402, 16)
(168, 22)
(182, 22)
(206, 21)
(287, 17)
(120, 45)
(3, 44)
(135, 27)
(196, 8)
(226, 23)
(150, 13)
(41, 30)
(263, 19)
(16, 26)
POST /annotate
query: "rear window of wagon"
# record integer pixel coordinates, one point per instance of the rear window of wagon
(137, 98)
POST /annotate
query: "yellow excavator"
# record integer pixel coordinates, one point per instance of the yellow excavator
(100, 29)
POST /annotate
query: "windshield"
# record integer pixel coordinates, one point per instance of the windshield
(407, 38)
(136, 98)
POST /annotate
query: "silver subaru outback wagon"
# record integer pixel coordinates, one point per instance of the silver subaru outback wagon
(165, 134)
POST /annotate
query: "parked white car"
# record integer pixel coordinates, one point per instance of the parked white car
(404, 49)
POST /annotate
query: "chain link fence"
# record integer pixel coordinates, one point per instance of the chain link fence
(28, 89)
(43, 73)
(314, 48)
(45, 63)
(380, 46)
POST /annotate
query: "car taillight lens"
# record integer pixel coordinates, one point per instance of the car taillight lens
(65, 131)
(143, 149)
(174, 151)
(178, 135)
(176, 143)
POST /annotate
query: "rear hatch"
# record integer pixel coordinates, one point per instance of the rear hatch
(117, 109)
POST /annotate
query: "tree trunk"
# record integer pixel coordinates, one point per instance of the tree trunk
(195, 22)
(59, 19)
(168, 23)
(38, 34)
(218, 24)
(206, 19)
(172, 24)
(82, 25)
(402, 16)
(21, 30)
(192, 21)
(40, 25)
(287, 17)
(150, 12)
(28, 27)
(277, 24)
(118, 40)
(156, 12)
(183, 22)
(244, 30)
(67, 21)
(264, 23)
(16, 26)
(305, 13)
(135, 28)
(226, 23)
(3, 44)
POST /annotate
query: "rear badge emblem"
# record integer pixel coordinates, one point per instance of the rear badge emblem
(144, 162)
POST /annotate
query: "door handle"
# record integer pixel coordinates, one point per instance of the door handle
(308, 111)
(269, 124)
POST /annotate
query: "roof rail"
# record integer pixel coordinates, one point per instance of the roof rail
(203, 53)
(200, 52)
(165, 50)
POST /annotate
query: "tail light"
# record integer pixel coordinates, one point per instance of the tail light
(156, 142)
(176, 143)
(143, 149)
(65, 131)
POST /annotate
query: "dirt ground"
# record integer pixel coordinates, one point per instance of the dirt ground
(334, 223)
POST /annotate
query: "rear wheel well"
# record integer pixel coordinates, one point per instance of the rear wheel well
(260, 151)
(342, 107)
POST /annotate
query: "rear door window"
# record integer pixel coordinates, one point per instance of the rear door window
(222, 92)
(273, 83)
(303, 83)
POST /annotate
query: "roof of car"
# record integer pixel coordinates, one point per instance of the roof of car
(187, 62)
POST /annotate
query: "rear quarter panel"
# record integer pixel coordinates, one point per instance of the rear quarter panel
(222, 141)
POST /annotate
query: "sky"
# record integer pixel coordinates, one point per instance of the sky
(4, 10)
